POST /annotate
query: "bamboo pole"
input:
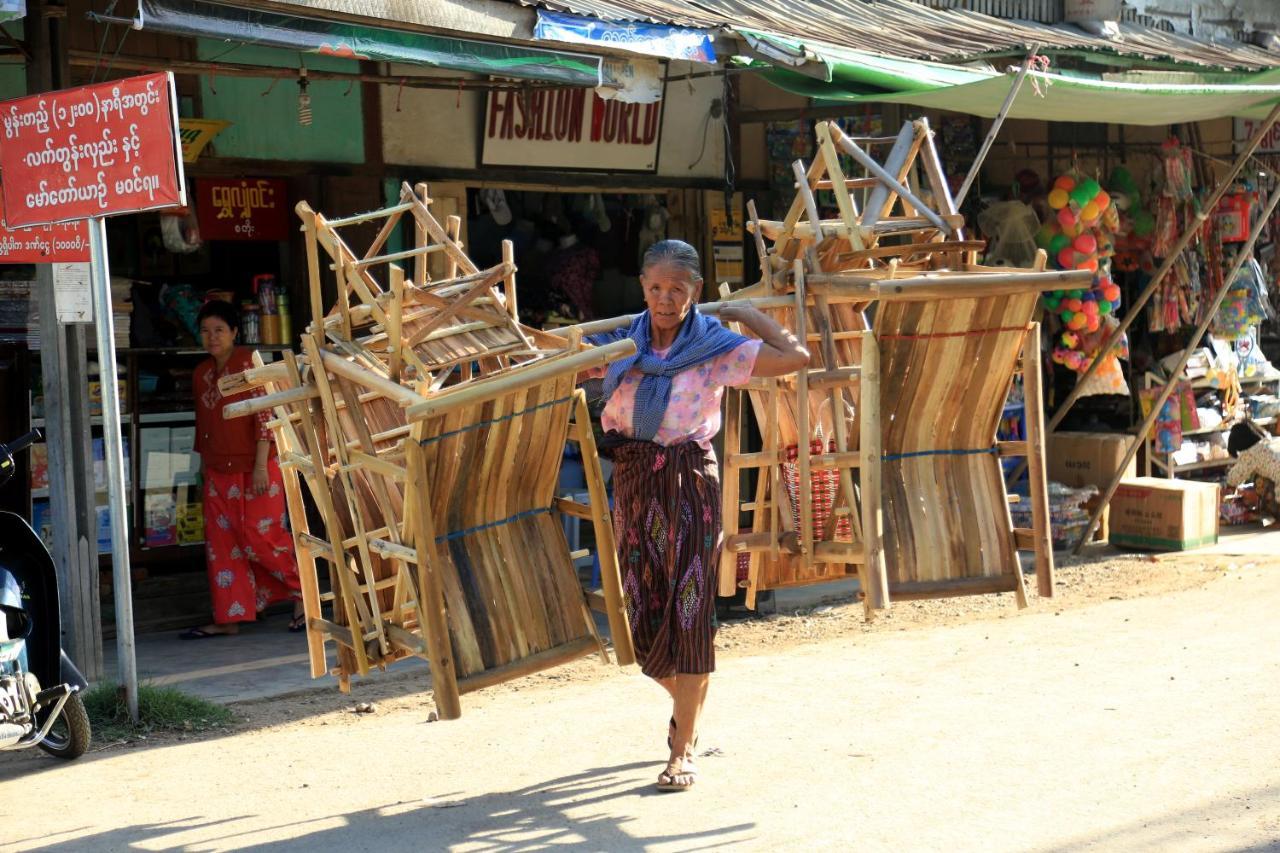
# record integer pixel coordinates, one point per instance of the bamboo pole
(727, 580)
(851, 148)
(1039, 481)
(481, 392)
(944, 285)
(996, 124)
(1242, 255)
(869, 476)
(420, 235)
(395, 343)
(606, 546)
(313, 262)
(509, 280)
(804, 493)
(1205, 211)
(269, 401)
(393, 391)
(452, 227)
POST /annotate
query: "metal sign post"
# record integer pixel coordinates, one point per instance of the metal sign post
(113, 443)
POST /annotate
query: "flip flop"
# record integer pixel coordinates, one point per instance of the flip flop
(667, 778)
(200, 634)
(298, 623)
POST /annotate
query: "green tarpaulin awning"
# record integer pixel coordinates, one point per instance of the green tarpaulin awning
(354, 41)
(1138, 97)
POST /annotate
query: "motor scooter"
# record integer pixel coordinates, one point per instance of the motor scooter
(40, 701)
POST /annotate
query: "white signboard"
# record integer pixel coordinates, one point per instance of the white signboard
(570, 129)
(1247, 127)
(71, 293)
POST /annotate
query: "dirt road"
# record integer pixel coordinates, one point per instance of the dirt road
(1148, 723)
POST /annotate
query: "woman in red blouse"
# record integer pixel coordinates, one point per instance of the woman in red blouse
(248, 547)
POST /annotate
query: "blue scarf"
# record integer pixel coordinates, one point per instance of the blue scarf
(700, 339)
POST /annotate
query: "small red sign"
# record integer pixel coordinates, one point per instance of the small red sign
(96, 150)
(242, 209)
(66, 243)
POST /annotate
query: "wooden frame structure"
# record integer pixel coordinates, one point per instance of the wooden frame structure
(915, 346)
(428, 425)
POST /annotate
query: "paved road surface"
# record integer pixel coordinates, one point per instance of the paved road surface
(1143, 724)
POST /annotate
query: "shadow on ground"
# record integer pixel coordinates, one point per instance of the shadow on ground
(556, 812)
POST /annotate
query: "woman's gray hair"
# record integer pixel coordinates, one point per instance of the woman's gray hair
(678, 254)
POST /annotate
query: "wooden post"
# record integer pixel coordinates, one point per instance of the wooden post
(876, 595)
(430, 591)
(606, 545)
(421, 238)
(804, 491)
(1039, 482)
(509, 283)
(731, 513)
(313, 265)
(71, 500)
(395, 342)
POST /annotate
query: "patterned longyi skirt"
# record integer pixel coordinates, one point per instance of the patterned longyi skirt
(667, 519)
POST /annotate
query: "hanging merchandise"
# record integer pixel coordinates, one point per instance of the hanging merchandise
(1178, 169)
(1011, 227)
(1233, 215)
(1077, 238)
(1245, 304)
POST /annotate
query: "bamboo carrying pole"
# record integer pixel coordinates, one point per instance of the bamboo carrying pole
(1242, 255)
(996, 124)
(1205, 211)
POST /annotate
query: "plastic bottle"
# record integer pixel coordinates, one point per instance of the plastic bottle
(286, 321)
(249, 331)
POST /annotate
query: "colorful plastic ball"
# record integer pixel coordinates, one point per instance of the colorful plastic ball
(1091, 308)
(1090, 186)
(1058, 243)
(1093, 323)
(1104, 308)
(1111, 293)
(1085, 244)
(1090, 212)
(1066, 218)
(1076, 294)
(1090, 264)
(1073, 305)
(1069, 340)
(1102, 200)
(1078, 322)
(1067, 258)
(1052, 303)
(1067, 316)
(1080, 196)
(1066, 183)
(1057, 199)
(1044, 237)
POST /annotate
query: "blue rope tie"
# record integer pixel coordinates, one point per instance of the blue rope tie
(893, 457)
(442, 436)
(458, 534)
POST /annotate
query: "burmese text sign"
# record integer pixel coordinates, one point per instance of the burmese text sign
(45, 244)
(243, 209)
(92, 151)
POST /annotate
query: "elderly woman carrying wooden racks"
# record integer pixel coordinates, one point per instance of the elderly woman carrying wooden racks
(661, 413)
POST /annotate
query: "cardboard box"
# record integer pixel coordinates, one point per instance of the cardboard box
(1165, 515)
(1088, 458)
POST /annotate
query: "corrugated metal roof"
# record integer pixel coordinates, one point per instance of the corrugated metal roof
(907, 29)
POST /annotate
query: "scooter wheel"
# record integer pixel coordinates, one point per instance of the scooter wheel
(70, 735)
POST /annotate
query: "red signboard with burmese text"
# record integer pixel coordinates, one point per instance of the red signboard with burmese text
(66, 243)
(242, 208)
(92, 151)
(570, 129)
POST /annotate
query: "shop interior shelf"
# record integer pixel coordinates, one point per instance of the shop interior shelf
(1193, 466)
(1226, 425)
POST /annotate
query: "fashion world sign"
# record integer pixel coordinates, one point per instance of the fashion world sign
(570, 129)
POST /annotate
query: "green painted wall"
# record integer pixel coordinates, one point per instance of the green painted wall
(265, 126)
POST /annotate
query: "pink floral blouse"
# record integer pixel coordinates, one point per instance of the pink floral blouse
(693, 412)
